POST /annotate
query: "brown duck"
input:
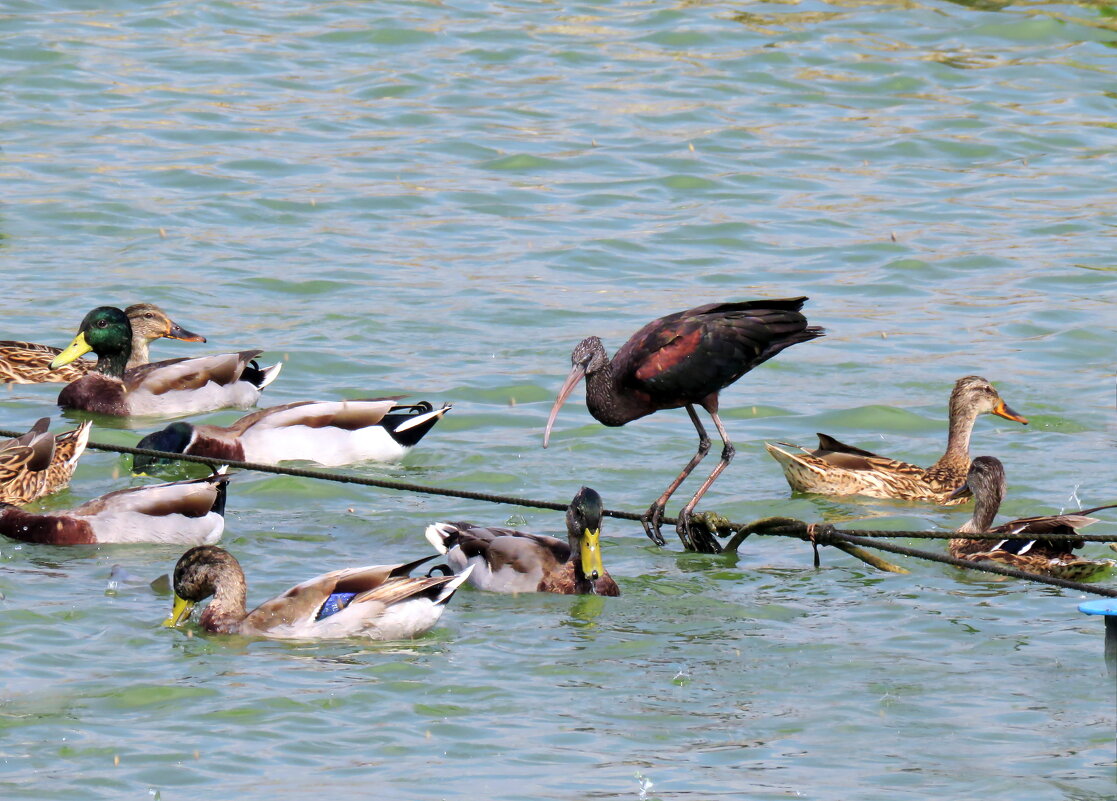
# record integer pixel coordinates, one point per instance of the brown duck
(38, 463)
(1020, 543)
(505, 560)
(839, 469)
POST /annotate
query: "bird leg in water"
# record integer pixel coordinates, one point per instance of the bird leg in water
(653, 517)
(687, 534)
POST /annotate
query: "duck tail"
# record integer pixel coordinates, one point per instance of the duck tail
(441, 535)
(452, 584)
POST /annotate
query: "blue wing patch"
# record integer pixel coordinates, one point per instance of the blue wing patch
(334, 604)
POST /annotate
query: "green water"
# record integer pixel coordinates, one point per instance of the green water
(440, 200)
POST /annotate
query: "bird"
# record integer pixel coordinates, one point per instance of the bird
(29, 363)
(169, 388)
(331, 433)
(181, 513)
(382, 602)
(683, 360)
(1020, 543)
(505, 560)
(839, 469)
(38, 463)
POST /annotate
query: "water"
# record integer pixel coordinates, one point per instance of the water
(440, 200)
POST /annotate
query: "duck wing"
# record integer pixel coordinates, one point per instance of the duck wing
(171, 375)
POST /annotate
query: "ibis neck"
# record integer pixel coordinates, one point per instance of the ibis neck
(608, 401)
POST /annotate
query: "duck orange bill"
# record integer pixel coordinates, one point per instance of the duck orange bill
(1002, 409)
(577, 373)
(72, 352)
(176, 331)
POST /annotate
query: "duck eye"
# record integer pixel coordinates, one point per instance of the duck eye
(149, 316)
(102, 323)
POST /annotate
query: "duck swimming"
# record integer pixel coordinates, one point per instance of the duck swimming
(839, 469)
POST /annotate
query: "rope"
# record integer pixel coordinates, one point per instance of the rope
(781, 527)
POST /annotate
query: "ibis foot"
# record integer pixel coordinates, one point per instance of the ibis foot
(652, 521)
(695, 534)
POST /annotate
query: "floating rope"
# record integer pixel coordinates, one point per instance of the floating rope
(817, 534)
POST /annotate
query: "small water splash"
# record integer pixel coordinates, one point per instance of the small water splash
(682, 676)
(645, 785)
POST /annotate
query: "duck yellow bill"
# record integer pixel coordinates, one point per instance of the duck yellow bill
(1002, 409)
(590, 553)
(576, 375)
(72, 352)
(179, 612)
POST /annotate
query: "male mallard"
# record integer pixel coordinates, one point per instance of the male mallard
(28, 363)
(331, 433)
(505, 560)
(38, 462)
(840, 469)
(1011, 543)
(182, 513)
(379, 601)
(172, 387)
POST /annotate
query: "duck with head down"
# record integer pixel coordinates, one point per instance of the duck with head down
(381, 602)
(29, 363)
(172, 387)
(1020, 543)
(839, 469)
(506, 560)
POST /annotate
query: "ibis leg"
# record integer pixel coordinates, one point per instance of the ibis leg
(703, 541)
(653, 517)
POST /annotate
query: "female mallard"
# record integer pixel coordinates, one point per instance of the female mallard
(38, 462)
(986, 480)
(331, 433)
(380, 601)
(172, 387)
(28, 363)
(840, 469)
(504, 560)
(181, 513)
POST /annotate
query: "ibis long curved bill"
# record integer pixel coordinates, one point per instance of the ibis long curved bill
(577, 373)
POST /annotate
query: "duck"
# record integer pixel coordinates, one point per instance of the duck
(29, 363)
(38, 463)
(1020, 543)
(331, 433)
(381, 602)
(187, 512)
(839, 469)
(173, 387)
(506, 560)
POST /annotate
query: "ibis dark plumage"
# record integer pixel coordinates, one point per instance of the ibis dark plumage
(683, 360)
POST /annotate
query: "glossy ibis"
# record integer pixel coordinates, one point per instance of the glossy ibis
(683, 359)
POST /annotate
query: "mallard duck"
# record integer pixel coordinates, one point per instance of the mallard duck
(28, 363)
(38, 462)
(181, 513)
(379, 601)
(331, 433)
(1019, 543)
(172, 387)
(505, 560)
(840, 469)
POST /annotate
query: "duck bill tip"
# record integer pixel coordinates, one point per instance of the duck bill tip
(1002, 409)
(180, 333)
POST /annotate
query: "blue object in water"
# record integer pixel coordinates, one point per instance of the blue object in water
(334, 604)
(1107, 607)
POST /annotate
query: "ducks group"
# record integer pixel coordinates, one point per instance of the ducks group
(680, 361)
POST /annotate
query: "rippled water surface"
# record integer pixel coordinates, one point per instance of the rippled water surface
(440, 199)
